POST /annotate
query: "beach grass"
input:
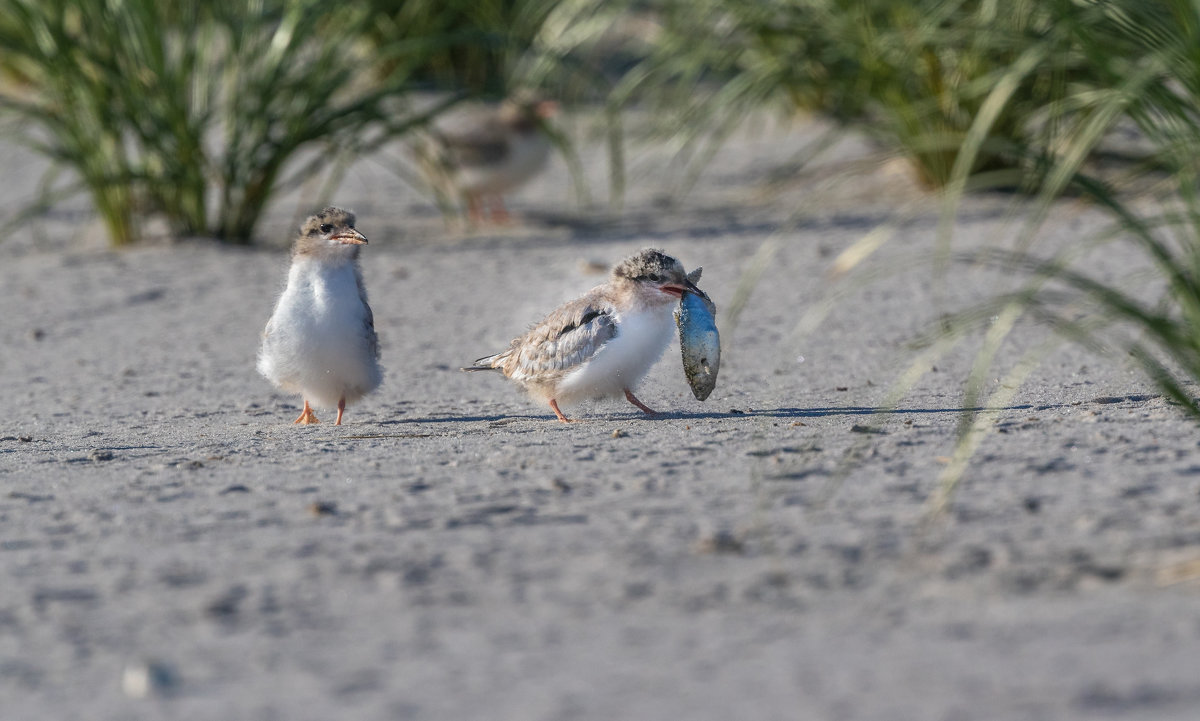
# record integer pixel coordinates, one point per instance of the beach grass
(196, 112)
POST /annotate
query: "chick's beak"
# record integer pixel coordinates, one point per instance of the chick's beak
(678, 289)
(351, 237)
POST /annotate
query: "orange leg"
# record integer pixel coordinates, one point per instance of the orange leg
(554, 407)
(500, 215)
(474, 209)
(341, 409)
(307, 416)
(633, 399)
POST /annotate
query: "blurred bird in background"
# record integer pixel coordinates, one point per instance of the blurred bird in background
(471, 159)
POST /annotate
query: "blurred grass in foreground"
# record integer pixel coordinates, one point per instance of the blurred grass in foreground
(1143, 70)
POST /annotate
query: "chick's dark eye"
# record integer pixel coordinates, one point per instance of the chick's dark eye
(654, 277)
(325, 228)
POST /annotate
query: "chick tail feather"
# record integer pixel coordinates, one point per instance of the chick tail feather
(481, 364)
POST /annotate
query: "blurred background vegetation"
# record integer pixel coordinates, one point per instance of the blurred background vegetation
(197, 111)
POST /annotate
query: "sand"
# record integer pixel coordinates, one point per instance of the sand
(172, 547)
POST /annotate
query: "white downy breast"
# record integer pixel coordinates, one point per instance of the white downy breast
(318, 343)
(623, 361)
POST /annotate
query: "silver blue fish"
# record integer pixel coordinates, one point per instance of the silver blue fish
(699, 341)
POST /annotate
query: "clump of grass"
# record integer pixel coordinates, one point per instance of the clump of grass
(917, 76)
(193, 110)
(469, 46)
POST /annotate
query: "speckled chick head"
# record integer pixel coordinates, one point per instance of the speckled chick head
(655, 274)
(525, 111)
(330, 235)
(649, 264)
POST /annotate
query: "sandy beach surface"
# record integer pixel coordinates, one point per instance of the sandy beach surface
(172, 547)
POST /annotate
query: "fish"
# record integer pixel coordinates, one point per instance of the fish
(699, 341)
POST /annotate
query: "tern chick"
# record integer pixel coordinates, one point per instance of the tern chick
(320, 342)
(603, 343)
(488, 153)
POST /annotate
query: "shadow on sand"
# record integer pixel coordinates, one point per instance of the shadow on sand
(781, 413)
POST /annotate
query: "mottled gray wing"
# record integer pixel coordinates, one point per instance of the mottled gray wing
(567, 337)
(368, 317)
(486, 144)
(369, 330)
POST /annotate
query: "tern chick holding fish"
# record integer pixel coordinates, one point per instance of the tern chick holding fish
(603, 343)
